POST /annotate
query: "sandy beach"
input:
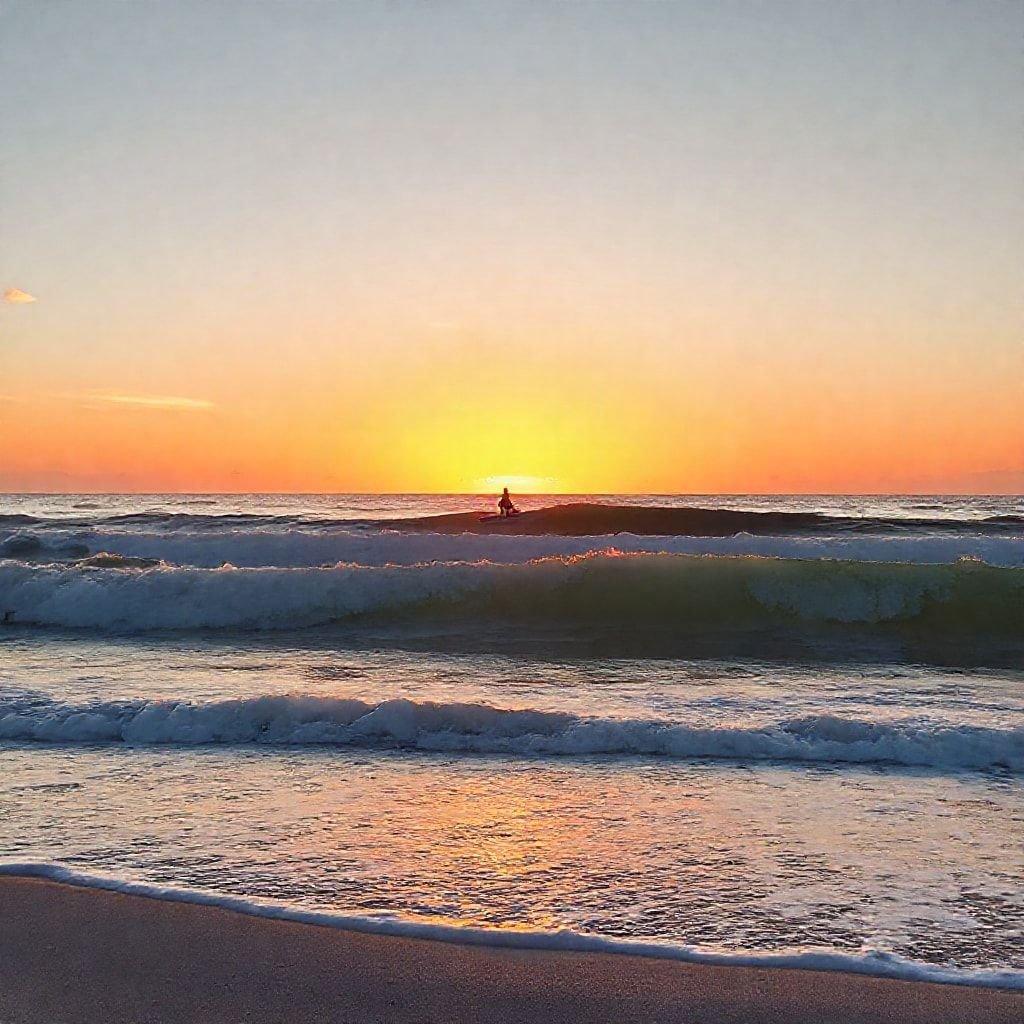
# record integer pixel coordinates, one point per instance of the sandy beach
(70, 954)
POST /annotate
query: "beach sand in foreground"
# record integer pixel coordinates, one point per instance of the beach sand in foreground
(72, 954)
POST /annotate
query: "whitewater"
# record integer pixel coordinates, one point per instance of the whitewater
(788, 730)
(477, 728)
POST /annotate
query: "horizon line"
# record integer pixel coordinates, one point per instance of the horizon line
(541, 494)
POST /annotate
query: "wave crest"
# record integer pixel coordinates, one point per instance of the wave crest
(244, 544)
(664, 591)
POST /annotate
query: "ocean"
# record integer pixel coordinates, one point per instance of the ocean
(782, 729)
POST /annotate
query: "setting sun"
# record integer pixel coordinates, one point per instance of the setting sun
(515, 482)
(604, 293)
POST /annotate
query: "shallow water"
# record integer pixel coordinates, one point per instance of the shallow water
(812, 781)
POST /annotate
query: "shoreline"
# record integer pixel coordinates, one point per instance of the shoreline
(869, 963)
(70, 953)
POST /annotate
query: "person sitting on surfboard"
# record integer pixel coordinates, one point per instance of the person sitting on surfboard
(505, 506)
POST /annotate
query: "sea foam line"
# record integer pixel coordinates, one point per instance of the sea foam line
(873, 962)
(308, 547)
(307, 720)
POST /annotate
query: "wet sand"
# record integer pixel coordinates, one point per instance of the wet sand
(71, 955)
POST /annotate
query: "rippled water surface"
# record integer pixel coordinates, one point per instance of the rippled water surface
(827, 775)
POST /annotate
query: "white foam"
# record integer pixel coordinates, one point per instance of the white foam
(482, 729)
(877, 963)
(297, 547)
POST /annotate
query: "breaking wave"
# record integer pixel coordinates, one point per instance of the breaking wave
(481, 729)
(298, 548)
(661, 591)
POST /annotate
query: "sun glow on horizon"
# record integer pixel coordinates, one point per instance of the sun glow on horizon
(517, 483)
(546, 245)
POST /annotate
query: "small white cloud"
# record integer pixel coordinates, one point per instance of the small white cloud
(157, 401)
(16, 297)
(151, 401)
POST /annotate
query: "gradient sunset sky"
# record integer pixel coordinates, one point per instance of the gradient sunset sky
(606, 247)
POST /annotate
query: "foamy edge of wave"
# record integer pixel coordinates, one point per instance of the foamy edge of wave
(467, 728)
(877, 963)
(308, 547)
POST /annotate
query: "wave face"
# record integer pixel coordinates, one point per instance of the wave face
(481, 729)
(593, 519)
(662, 591)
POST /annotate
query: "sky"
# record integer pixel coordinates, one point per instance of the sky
(673, 247)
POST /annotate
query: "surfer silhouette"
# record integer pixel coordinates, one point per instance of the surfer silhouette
(505, 506)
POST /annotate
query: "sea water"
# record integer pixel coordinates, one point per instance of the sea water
(751, 744)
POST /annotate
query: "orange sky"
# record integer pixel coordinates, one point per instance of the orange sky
(662, 249)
